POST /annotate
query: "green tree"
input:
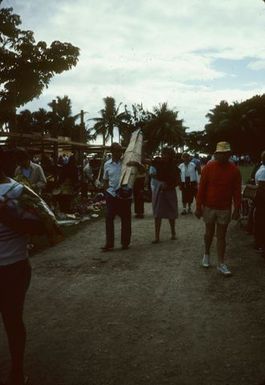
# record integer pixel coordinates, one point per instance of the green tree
(25, 122)
(61, 121)
(197, 141)
(242, 124)
(163, 128)
(33, 122)
(133, 119)
(110, 118)
(40, 122)
(26, 66)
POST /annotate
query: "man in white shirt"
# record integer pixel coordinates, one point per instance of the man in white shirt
(118, 201)
(115, 205)
(189, 180)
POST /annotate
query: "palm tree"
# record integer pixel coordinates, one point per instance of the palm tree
(40, 121)
(61, 120)
(197, 141)
(24, 121)
(110, 118)
(241, 124)
(132, 120)
(164, 128)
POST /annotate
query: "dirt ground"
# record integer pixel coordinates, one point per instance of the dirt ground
(149, 315)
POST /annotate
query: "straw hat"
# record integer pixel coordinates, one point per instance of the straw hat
(223, 147)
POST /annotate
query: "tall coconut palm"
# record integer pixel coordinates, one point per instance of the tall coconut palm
(164, 128)
(241, 124)
(24, 121)
(62, 122)
(132, 120)
(110, 118)
(40, 121)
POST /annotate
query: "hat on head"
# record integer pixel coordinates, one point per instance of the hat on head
(223, 147)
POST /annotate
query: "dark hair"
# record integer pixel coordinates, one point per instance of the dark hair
(169, 152)
(22, 155)
(115, 147)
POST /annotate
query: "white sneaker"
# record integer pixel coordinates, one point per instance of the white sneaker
(222, 268)
(206, 260)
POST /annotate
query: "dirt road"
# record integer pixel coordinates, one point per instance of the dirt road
(149, 315)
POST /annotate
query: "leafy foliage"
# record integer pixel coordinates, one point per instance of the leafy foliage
(59, 121)
(26, 66)
(163, 128)
(197, 142)
(160, 127)
(110, 117)
(241, 124)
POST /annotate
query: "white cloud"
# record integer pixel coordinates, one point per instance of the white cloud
(257, 65)
(150, 51)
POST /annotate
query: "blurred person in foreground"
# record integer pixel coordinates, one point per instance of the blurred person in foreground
(219, 187)
(15, 274)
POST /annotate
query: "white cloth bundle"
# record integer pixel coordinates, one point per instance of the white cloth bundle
(132, 153)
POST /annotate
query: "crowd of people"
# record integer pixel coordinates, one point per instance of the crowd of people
(215, 188)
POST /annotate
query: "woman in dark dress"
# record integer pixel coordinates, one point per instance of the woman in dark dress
(164, 198)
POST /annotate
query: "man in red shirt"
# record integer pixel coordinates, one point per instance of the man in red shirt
(220, 186)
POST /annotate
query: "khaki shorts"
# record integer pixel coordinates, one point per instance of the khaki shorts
(222, 217)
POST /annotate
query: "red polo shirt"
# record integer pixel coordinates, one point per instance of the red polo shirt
(220, 184)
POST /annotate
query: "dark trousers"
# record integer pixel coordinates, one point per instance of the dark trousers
(14, 282)
(189, 192)
(259, 226)
(122, 208)
(138, 193)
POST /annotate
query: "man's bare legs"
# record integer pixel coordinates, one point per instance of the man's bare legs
(208, 236)
(221, 242)
(221, 246)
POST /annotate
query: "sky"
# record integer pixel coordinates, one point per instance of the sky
(191, 54)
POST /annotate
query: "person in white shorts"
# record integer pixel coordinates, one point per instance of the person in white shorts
(219, 188)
